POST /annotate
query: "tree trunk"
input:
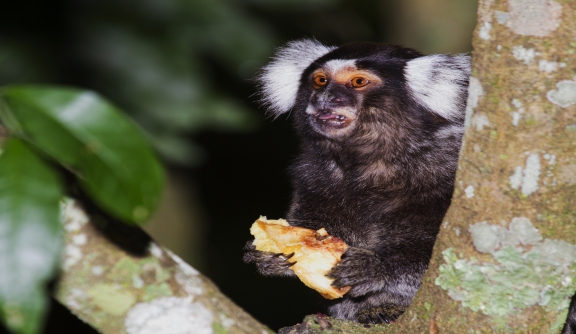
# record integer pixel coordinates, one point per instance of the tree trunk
(505, 257)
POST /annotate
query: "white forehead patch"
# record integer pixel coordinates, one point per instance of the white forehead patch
(438, 82)
(337, 65)
(279, 80)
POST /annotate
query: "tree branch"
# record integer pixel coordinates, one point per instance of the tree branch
(117, 291)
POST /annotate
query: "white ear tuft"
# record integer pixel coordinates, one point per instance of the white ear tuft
(280, 80)
(439, 83)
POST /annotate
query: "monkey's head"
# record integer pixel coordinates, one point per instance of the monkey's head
(363, 89)
(338, 89)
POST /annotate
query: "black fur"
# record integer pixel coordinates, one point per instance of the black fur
(570, 325)
(383, 187)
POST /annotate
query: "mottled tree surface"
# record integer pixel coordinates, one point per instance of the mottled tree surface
(118, 289)
(506, 253)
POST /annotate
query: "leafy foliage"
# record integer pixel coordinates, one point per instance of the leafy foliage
(30, 235)
(88, 136)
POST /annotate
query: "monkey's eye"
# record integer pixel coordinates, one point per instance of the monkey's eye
(358, 82)
(320, 80)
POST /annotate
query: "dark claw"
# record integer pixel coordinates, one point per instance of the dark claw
(340, 282)
(269, 264)
(290, 264)
(286, 258)
(383, 318)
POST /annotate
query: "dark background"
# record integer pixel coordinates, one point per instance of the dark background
(183, 71)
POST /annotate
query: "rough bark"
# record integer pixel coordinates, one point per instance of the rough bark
(119, 290)
(517, 167)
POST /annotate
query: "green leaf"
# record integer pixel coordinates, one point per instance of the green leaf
(30, 235)
(90, 136)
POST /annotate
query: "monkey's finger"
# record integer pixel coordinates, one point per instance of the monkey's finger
(352, 273)
(343, 282)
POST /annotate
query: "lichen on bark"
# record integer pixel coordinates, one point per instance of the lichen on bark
(527, 270)
(117, 290)
(519, 163)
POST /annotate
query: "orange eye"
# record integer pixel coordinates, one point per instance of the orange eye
(320, 80)
(359, 82)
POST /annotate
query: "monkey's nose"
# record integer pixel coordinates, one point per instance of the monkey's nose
(330, 103)
(338, 97)
(336, 100)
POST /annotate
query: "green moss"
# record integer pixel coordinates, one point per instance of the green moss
(314, 324)
(486, 169)
(161, 274)
(554, 221)
(527, 270)
(154, 291)
(559, 323)
(125, 269)
(531, 121)
(219, 329)
(427, 306)
(111, 299)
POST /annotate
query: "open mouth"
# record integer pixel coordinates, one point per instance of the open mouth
(328, 118)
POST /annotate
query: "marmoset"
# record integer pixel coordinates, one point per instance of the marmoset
(380, 128)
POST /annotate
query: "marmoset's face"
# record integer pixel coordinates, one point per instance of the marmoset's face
(338, 92)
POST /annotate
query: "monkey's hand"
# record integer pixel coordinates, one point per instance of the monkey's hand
(360, 269)
(269, 264)
(381, 288)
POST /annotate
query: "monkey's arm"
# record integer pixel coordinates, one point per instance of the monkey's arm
(395, 275)
(268, 264)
